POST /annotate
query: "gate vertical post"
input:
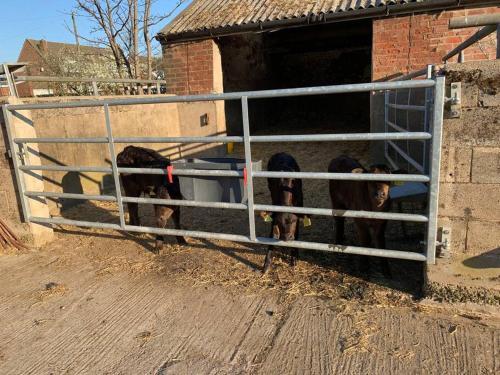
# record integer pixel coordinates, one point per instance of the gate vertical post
(16, 163)
(435, 165)
(114, 167)
(248, 165)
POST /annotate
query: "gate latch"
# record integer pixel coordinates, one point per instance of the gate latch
(455, 100)
(444, 243)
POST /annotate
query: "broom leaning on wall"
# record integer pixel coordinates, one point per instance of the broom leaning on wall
(9, 239)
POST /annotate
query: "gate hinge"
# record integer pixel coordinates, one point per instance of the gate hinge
(444, 242)
(455, 100)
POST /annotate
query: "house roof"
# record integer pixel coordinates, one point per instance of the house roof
(46, 47)
(211, 17)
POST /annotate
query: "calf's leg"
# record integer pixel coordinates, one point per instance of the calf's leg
(294, 252)
(176, 216)
(132, 190)
(268, 262)
(162, 214)
(133, 213)
(339, 230)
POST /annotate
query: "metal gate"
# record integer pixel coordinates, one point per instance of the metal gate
(431, 133)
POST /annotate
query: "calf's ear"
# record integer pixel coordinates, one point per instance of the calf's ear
(357, 170)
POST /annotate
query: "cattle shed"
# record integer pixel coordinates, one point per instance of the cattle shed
(228, 46)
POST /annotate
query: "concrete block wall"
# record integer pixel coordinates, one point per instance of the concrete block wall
(470, 168)
(407, 43)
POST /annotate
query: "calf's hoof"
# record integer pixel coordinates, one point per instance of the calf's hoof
(293, 261)
(267, 267)
(158, 247)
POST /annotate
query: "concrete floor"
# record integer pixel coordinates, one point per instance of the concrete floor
(89, 304)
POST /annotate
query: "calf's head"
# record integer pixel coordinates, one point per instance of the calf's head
(285, 223)
(126, 157)
(285, 226)
(379, 190)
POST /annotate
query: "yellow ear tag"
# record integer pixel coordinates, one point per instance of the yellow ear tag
(398, 183)
(268, 218)
(307, 221)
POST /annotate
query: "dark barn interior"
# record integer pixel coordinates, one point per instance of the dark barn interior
(329, 54)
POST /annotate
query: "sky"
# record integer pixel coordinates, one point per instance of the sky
(45, 19)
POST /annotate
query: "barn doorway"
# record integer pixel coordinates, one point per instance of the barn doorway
(329, 54)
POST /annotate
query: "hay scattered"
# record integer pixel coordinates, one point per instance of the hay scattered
(222, 263)
(51, 289)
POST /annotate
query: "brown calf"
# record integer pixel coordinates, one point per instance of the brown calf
(136, 184)
(284, 192)
(361, 196)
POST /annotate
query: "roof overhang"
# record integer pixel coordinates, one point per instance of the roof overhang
(369, 13)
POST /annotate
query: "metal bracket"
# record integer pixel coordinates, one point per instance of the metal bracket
(444, 244)
(455, 100)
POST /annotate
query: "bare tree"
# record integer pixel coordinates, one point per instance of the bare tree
(117, 25)
(147, 40)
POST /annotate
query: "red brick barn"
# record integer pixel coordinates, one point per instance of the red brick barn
(225, 45)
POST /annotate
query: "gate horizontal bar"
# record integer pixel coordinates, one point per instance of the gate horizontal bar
(257, 139)
(154, 171)
(61, 140)
(345, 176)
(184, 172)
(357, 250)
(176, 202)
(407, 107)
(77, 223)
(239, 238)
(343, 213)
(321, 90)
(209, 139)
(47, 194)
(342, 137)
(111, 198)
(226, 173)
(236, 206)
(64, 168)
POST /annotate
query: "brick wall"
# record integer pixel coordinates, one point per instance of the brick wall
(190, 67)
(407, 43)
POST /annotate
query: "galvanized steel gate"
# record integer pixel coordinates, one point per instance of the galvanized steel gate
(433, 108)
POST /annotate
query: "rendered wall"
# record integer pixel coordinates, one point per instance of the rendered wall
(156, 120)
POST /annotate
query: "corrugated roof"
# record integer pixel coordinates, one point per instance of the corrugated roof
(204, 15)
